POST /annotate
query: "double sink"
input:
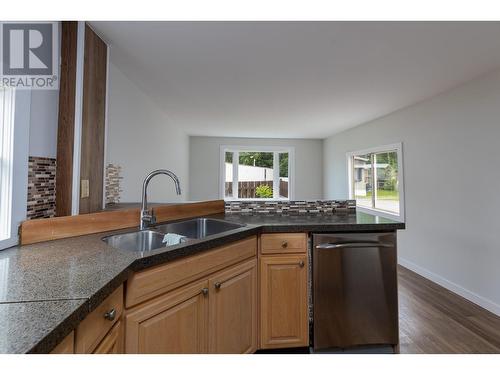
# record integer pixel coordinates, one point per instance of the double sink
(150, 239)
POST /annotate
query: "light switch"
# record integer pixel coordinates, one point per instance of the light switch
(84, 188)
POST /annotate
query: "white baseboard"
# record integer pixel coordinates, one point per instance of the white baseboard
(455, 288)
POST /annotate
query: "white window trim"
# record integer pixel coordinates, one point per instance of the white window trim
(106, 126)
(6, 170)
(18, 171)
(398, 147)
(236, 149)
(77, 143)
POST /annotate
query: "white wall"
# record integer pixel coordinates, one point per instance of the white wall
(452, 184)
(43, 123)
(44, 117)
(205, 164)
(141, 138)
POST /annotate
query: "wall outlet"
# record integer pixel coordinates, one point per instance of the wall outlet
(84, 189)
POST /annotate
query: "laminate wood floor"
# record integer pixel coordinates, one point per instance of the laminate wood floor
(434, 320)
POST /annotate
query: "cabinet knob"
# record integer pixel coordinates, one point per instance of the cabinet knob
(204, 291)
(110, 315)
(217, 285)
(284, 244)
(301, 264)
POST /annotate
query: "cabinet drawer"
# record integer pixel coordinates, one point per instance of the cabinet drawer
(151, 283)
(279, 243)
(97, 324)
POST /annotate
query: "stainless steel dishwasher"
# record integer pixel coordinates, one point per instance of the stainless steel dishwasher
(355, 300)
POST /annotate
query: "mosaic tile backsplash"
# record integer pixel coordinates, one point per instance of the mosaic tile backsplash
(113, 188)
(290, 207)
(41, 188)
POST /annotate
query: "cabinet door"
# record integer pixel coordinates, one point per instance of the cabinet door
(233, 309)
(284, 304)
(112, 343)
(66, 346)
(176, 322)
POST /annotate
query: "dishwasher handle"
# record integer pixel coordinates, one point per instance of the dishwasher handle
(351, 245)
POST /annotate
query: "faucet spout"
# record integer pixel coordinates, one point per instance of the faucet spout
(146, 216)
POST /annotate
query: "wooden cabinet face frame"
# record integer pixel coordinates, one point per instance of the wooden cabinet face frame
(273, 308)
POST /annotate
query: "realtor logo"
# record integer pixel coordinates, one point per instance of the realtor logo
(29, 55)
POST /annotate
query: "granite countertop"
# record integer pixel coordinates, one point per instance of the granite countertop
(31, 327)
(47, 288)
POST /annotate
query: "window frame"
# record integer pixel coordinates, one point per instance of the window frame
(18, 167)
(398, 147)
(276, 151)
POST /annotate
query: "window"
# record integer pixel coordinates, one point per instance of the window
(14, 144)
(376, 180)
(256, 173)
(6, 154)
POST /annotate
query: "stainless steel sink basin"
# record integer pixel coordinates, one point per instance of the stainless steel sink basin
(198, 228)
(144, 240)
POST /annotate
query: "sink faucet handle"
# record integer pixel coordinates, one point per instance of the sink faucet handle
(152, 216)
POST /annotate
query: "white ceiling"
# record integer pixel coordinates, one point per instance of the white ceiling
(295, 79)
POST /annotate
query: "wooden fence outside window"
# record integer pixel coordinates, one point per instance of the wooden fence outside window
(246, 189)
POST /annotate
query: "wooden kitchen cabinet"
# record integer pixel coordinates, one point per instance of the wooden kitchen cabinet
(205, 303)
(156, 281)
(176, 322)
(217, 314)
(112, 343)
(284, 302)
(233, 309)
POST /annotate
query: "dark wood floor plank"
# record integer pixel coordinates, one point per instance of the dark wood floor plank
(435, 320)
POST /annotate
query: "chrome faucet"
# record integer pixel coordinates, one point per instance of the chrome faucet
(147, 216)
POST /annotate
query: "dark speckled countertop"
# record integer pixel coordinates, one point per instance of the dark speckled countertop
(46, 289)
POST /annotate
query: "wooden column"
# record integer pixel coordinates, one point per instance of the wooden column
(93, 122)
(93, 114)
(66, 125)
